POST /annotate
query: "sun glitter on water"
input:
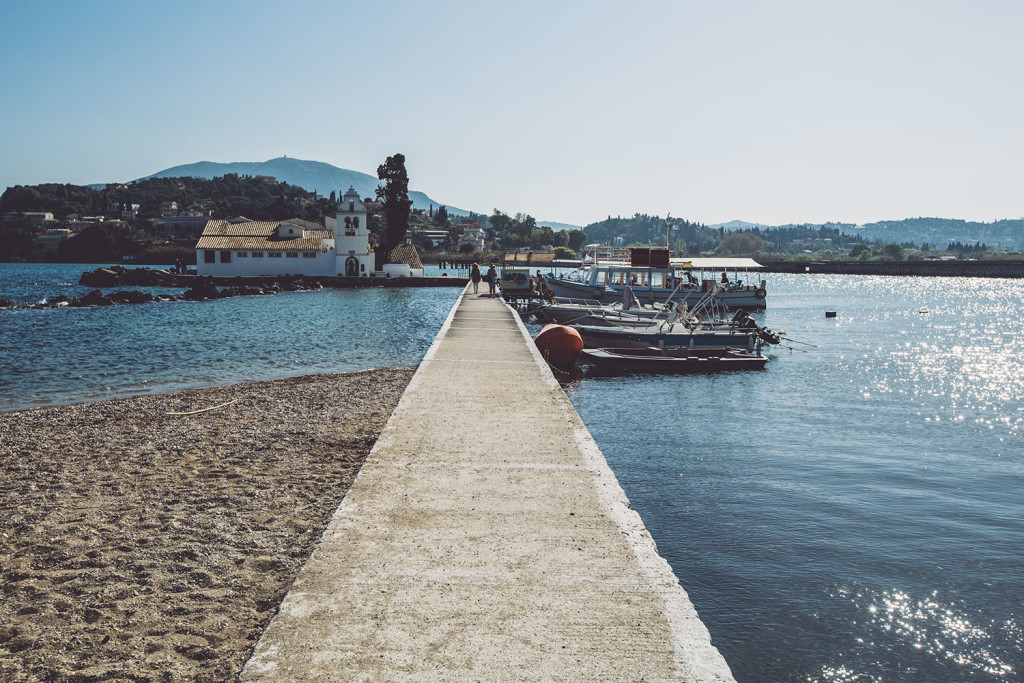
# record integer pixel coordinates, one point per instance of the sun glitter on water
(935, 626)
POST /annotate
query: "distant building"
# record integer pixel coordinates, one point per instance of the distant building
(37, 219)
(49, 241)
(168, 208)
(474, 235)
(434, 238)
(187, 224)
(78, 224)
(238, 247)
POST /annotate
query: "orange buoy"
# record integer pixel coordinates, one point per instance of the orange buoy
(560, 345)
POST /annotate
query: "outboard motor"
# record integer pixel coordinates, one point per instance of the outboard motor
(745, 322)
(767, 336)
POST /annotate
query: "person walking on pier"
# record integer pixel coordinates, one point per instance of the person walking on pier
(492, 280)
(474, 276)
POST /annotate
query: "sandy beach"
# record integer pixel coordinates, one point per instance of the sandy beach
(140, 545)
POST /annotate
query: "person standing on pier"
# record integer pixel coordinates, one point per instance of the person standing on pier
(474, 276)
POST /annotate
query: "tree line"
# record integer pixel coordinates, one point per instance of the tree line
(687, 238)
(229, 195)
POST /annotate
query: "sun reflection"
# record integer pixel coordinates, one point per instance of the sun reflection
(933, 626)
(972, 366)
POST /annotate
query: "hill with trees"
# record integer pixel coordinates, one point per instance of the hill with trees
(895, 240)
(314, 176)
(939, 232)
(687, 237)
(521, 231)
(927, 232)
(229, 195)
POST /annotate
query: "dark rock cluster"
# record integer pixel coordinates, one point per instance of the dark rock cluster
(205, 289)
(202, 291)
(119, 276)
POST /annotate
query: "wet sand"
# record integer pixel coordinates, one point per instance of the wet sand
(141, 546)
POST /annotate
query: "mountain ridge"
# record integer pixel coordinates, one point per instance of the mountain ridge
(314, 176)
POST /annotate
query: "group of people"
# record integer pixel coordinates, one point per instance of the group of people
(538, 286)
(491, 277)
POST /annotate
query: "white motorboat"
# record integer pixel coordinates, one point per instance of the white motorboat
(741, 332)
(654, 278)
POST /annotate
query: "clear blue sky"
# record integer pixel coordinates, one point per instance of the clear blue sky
(712, 110)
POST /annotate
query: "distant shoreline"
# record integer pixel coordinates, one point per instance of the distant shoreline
(994, 269)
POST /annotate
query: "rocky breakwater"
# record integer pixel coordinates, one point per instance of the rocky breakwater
(202, 290)
(119, 276)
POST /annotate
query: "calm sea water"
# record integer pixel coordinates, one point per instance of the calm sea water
(853, 513)
(71, 355)
(856, 511)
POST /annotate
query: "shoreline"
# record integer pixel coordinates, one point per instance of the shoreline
(984, 269)
(143, 540)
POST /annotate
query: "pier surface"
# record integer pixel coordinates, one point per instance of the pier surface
(485, 539)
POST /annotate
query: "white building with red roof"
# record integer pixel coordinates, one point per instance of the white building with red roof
(239, 247)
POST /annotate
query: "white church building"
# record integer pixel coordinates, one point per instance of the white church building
(242, 247)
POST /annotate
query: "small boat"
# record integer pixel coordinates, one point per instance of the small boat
(667, 336)
(626, 313)
(741, 332)
(654, 359)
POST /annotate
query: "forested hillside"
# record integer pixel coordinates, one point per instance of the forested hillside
(314, 176)
(687, 238)
(924, 235)
(939, 232)
(690, 238)
(230, 195)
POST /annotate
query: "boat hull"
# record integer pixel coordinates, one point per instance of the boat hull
(681, 361)
(610, 337)
(597, 315)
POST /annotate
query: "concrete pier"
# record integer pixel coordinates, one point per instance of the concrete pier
(485, 539)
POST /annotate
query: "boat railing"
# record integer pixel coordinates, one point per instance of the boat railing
(578, 302)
